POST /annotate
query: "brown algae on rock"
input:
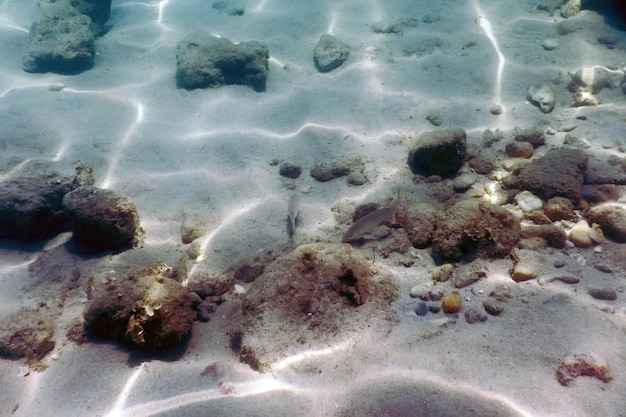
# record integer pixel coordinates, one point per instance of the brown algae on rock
(317, 294)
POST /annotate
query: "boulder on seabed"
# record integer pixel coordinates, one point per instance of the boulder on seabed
(205, 61)
(101, 219)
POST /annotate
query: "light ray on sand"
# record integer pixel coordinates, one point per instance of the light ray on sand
(282, 364)
(228, 220)
(239, 390)
(118, 406)
(485, 25)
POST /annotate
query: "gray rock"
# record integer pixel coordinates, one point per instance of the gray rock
(98, 11)
(330, 53)
(532, 135)
(542, 96)
(31, 198)
(440, 152)
(205, 61)
(329, 170)
(101, 219)
(559, 173)
(611, 217)
(473, 316)
(61, 40)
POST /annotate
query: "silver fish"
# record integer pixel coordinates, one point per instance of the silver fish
(293, 209)
(369, 222)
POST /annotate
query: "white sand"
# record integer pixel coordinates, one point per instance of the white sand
(203, 158)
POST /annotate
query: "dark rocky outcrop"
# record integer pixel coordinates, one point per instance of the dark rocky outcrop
(440, 152)
(31, 199)
(559, 173)
(101, 219)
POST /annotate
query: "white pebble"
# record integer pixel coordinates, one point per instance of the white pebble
(23, 371)
(528, 201)
(598, 249)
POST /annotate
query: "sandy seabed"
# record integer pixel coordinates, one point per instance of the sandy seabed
(208, 158)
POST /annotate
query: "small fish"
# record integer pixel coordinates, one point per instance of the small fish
(293, 209)
(369, 222)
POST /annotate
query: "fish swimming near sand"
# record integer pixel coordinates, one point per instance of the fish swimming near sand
(369, 222)
(293, 209)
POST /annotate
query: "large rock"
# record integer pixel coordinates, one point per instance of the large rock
(26, 334)
(31, 199)
(145, 310)
(472, 229)
(98, 10)
(439, 152)
(330, 53)
(101, 219)
(318, 294)
(205, 61)
(62, 40)
(559, 173)
(612, 219)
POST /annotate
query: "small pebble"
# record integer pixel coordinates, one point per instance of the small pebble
(496, 109)
(550, 44)
(434, 308)
(603, 294)
(474, 316)
(603, 268)
(452, 303)
(421, 308)
(493, 306)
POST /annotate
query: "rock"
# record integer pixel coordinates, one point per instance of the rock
(608, 40)
(464, 181)
(594, 79)
(611, 217)
(434, 117)
(575, 366)
(419, 222)
(330, 53)
(31, 199)
(560, 172)
(543, 97)
(471, 229)
(61, 40)
(289, 170)
(550, 44)
(328, 170)
(528, 264)
(527, 201)
(205, 310)
(101, 219)
(145, 310)
(317, 294)
(554, 236)
(451, 303)
(519, 150)
(98, 11)
(587, 82)
(559, 208)
(26, 334)
(468, 274)
(533, 135)
(440, 152)
(421, 308)
(493, 306)
(579, 235)
(600, 193)
(533, 243)
(357, 178)
(496, 109)
(537, 217)
(473, 316)
(570, 9)
(205, 61)
(442, 273)
(481, 165)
